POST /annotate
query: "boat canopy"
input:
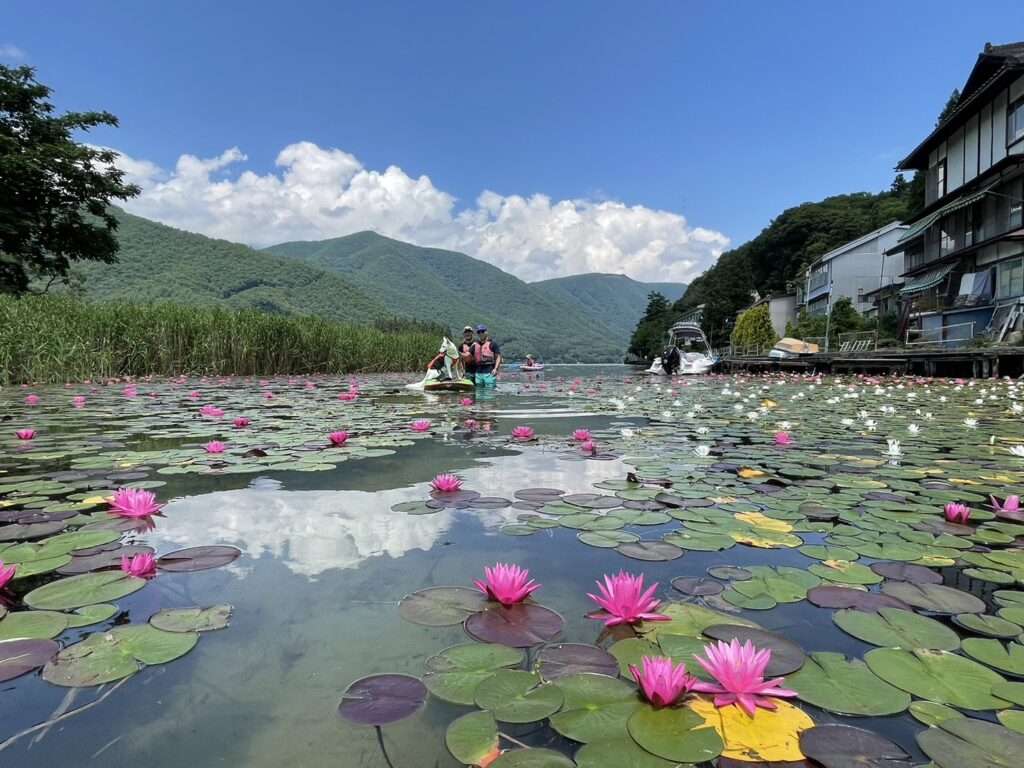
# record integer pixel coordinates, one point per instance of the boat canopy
(686, 331)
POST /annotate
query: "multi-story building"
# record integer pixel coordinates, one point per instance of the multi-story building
(854, 270)
(964, 253)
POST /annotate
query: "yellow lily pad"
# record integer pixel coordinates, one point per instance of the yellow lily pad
(747, 473)
(766, 539)
(762, 521)
(768, 736)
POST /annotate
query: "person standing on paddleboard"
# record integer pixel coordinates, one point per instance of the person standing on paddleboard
(487, 355)
(467, 351)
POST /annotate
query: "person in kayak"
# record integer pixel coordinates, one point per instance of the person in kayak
(467, 351)
(487, 355)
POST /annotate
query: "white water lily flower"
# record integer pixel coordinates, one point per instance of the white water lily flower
(1017, 408)
(992, 440)
(871, 425)
(737, 407)
(1017, 450)
(627, 433)
(888, 410)
(705, 450)
(691, 414)
(913, 429)
(893, 450)
(942, 398)
(666, 415)
(698, 407)
(971, 423)
(862, 414)
(620, 404)
(702, 430)
(753, 415)
(785, 426)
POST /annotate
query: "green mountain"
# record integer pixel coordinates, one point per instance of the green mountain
(616, 300)
(160, 263)
(456, 290)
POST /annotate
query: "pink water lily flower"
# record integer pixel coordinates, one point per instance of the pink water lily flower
(215, 446)
(241, 422)
(581, 435)
(268, 395)
(739, 670)
(467, 401)
(31, 399)
(211, 411)
(25, 434)
(338, 438)
(142, 566)
(957, 512)
(134, 502)
(1010, 504)
(471, 424)
(194, 394)
(783, 438)
(588, 447)
(420, 425)
(348, 397)
(662, 681)
(625, 601)
(506, 583)
(446, 483)
(78, 401)
(6, 573)
(522, 433)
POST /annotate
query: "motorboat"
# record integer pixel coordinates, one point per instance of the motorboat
(688, 353)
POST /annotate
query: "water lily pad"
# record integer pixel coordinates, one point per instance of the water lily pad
(846, 686)
(472, 738)
(650, 550)
(930, 713)
(107, 656)
(834, 596)
(845, 572)
(990, 626)
(29, 625)
(843, 746)
(620, 752)
(595, 707)
(454, 674)
(1011, 691)
(193, 619)
(533, 758)
(966, 742)
(729, 572)
(562, 659)
(88, 615)
(907, 572)
(894, 628)
(697, 541)
(519, 626)
(1012, 719)
(697, 585)
(382, 699)
(768, 736)
(787, 656)
(678, 734)
(516, 696)
(441, 606)
(934, 597)
(20, 656)
(937, 676)
(86, 589)
(606, 539)
(198, 558)
(631, 650)
(1008, 658)
(688, 619)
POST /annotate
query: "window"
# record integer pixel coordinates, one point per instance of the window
(1015, 121)
(1016, 192)
(940, 179)
(946, 236)
(1010, 278)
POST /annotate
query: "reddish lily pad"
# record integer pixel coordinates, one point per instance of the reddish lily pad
(382, 699)
(697, 585)
(20, 656)
(907, 572)
(563, 659)
(843, 746)
(518, 626)
(847, 597)
(787, 656)
(198, 558)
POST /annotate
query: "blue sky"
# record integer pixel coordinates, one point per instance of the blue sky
(723, 112)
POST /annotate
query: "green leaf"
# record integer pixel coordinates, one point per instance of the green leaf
(895, 628)
(676, 733)
(32, 625)
(594, 707)
(845, 686)
(472, 737)
(966, 742)
(193, 619)
(454, 674)
(86, 589)
(937, 676)
(619, 753)
(1006, 658)
(515, 696)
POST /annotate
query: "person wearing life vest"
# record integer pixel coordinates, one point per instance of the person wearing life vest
(487, 355)
(467, 351)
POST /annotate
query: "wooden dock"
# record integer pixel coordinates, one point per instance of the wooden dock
(982, 362)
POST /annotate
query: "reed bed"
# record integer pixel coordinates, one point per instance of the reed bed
(61, 338)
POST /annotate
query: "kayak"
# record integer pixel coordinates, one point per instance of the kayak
(459, 385)
(534, 367)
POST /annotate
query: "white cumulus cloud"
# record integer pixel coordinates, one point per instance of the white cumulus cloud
(8, 51)
(319, 192)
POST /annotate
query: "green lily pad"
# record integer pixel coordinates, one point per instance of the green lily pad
(966, 742)
(893, 628)
(86, 589)
(990, 626)
(26, 625)
(936, 598)
(631, 650)
(930, 713)
(938, 676)
(677, 734)
(845, 572)
(533, 758)
(515, 696)
(454, 674)
(90, 614)
(194, 619)
(688, 619)
(846, 686)
(595, 707)
(606, 539)
(620, 752)
(472, 737)
(441, 606)
(1007, 658)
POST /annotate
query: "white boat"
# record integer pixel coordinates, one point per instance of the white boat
(688, 353)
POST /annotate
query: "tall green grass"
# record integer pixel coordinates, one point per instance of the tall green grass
(60, 338)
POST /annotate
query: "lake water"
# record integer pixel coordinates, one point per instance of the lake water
(325, 559)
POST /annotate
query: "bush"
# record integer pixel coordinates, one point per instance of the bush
(754, 329)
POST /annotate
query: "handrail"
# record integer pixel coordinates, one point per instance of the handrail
(942, 330)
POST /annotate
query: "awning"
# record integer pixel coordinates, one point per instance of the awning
(918, 227)
(927, 280)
